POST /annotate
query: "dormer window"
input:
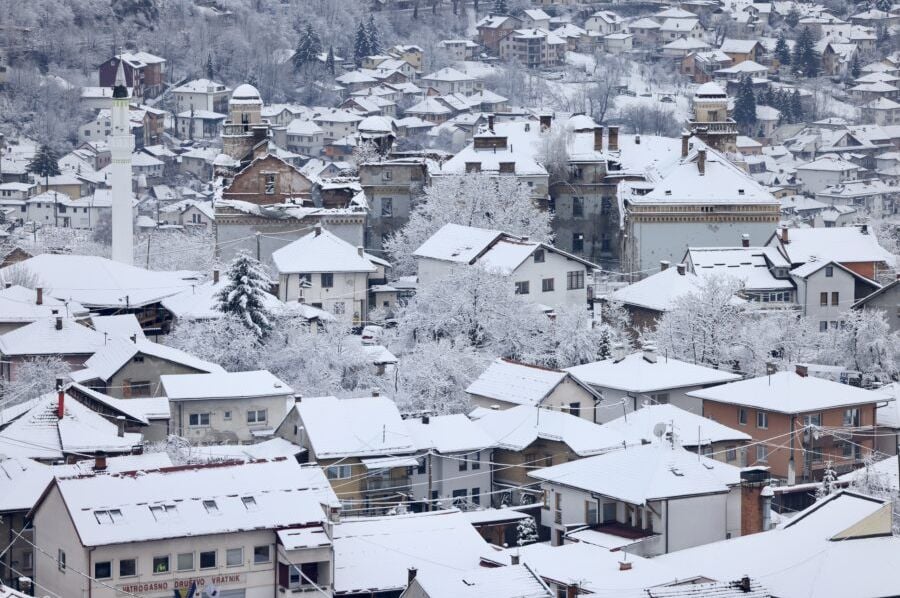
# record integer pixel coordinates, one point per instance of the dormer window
(507, 167)
(108, 517)
(473, 166)
(211, 507)
(249, 503)
(163, 512)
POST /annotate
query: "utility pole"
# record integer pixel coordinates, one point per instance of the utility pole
(430, 505)
(257, 246)
(149, 236)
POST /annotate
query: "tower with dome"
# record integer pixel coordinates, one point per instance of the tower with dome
(711, 122)
(245, 126)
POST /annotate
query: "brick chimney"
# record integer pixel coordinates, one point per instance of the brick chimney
(613, 143)
(546, 121)
(60, 399)
(745, 240)
(491, 123)
(754, 505)
(801, 370)
(701, 162)
(99, 461)
(598, 139)
(40, 296)
(784, 235)
(573, 589)
(685, 145)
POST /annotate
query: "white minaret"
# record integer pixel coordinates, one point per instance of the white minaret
(121, 144)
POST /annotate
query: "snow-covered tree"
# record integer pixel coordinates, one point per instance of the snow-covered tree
(433, 374)
(475, 199)
(829, 478)
(242, 297)
(361, 44)
(373, 36)
(45, 163)
(500, 7)
(329, 61)
(782, 52)
(526, 532)
(745, 106)
(34, 377)
(210, 71)
(308, 48)
(867, 344)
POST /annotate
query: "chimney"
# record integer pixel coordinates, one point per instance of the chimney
(298, 398)
(120, 424)
(99, 461)
(637, 139)
(701, 162)
(546, 121)
(572, 590)
(784, 235)
(685, 138)
(360, 251)
(133, 338)
(624, 566)
(60, 399)
(318, 229)
(664, 265)
(40, 296)
(801, 370)
(514, 558)
(680, 268)
(411, 574)
(650, 353)
(334, 515)
(59, 322)
(491, 123)
(864, 229)
(754, 481)
(598, 139)
(426, 419)
(613, 143)
(618, 352)
(25, 584)
(7, 285)
(745, 240)
(216, 276)
(745, 584)
(376, 393)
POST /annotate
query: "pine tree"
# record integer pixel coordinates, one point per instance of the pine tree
(829, 478)
(361, 44)
(526, 532)
(883, 5)
(796, 107)
(373, 36)
(252, 79)
(782, 52)
(308, 48)
(329, 61)
(805, 58)
(243, 296)
(209, 66)
(500, 7)
(792, 18)
(45, 164)
(855, 69)
(745, 105)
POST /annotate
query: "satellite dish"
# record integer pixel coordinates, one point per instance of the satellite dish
(659, 429)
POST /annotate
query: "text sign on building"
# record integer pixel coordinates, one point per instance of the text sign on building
(169, 585)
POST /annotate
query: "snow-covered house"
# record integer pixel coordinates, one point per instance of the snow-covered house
(604, 22)
(648, 299)
(305, 137)
(527, 437)
(507, 383)
(825, 171)
(238, 529)
(776, 404)
(235, 407)
(20, 306)
(826, 289)
(149, 417)
(658, 492)
(57, 336)
(761, 271)
(514, 581)
(629, 382)
(541, 273)
(448, 81)
(326, 272)
(201, 95)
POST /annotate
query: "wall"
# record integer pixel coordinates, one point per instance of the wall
(149, 370)
(557, 267)
(446, 477)
(888, 302)
(808, 295)
(235, 429)
(19, 550)
(348, 294)
(53, 530)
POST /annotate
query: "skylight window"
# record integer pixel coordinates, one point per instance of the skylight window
(249, 503)
(108, 517)
(163, 512)
(211, 507)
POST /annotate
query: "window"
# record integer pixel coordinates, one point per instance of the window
(234, 557)
(660, 398)
(577, 242)
(823, 298)
(463, 464)
(538, 256)
(476, 495)
(547, 285)
(127, 567)
(249, 503)
(163, 512)
(762, 453)
(211, 507)
(591, 516)
(103, 570)
(762, 419)
(851, 417)
(730, 454)
(421, 469)
(829, 271)
(28, 560)
(386, 175)
(208, 559)
(338, 472)
(140, 388)
(261, 554)
(835, 298)
(575, 409)
(327, 280)
(575, 280)
(476, 462)
(742, 416)
(507, 168)
(387, 207)
(256, 416)
(577, 207)
(198, 420)
(161, 564)
(522, 287)
(185, 561)
(61, 560)
(270, 184)
(226, 415)
(823, 326)
(473, 166)
(813, 419)
(108, 517)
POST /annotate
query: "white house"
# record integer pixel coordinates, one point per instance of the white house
(236, 407)
(826, 291)
(660, 492)
(324, 271)
(604, 22)
(825, 171)
(540, 272)
(201, 94)
(234, 530)
(448, 81)
(304, 137)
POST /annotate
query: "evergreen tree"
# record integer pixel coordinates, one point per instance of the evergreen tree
(308, 48)
(792, 18)
(526, 532)
(770, 96)
(243, 296)
(782, 52)
(883, 5)
(855, 69)
(829, 479)
(500, 7)
(329, 61)
(805, 58)
(45, 164)
(209, 66)
(373, 36)
(796, 107)
(252, 79)
(361, 44)
(745, 105)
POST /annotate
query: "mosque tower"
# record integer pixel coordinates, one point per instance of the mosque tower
(121, 145)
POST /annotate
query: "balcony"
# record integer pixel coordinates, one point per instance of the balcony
(386, 484)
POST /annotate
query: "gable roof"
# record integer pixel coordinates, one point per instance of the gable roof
(42, 338)
(19, 304)
(447, 434)
(457, 243)
(223, 385)
(843, 244)
(321, 251)
(515, 581)
(119, 351)
(690, 428)
(517, 383)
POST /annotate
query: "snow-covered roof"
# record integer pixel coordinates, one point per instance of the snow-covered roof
(830, 163)
(457, 243)
(119, 351)
(447, 434)
(448, 74)
(809, 555)
(517, 428)
(118, 326)
(637, 426)
(749, 265)
(98, 282)
(789, 392)
(889, 415)
(674, 13)
(635, 374)
(268, 449)
(659, 291)
(373, 554)
(518, 383)
(201, 86)
(514, 581)
(843, 244)
(245, 94)
(303, 127)
(41, 337)
(639, 474)
(746, 67)
(321, 251)
(365, 427)
(223, 385)
(19, 304)
(194, 501)
(138, 409)
(41, 434)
